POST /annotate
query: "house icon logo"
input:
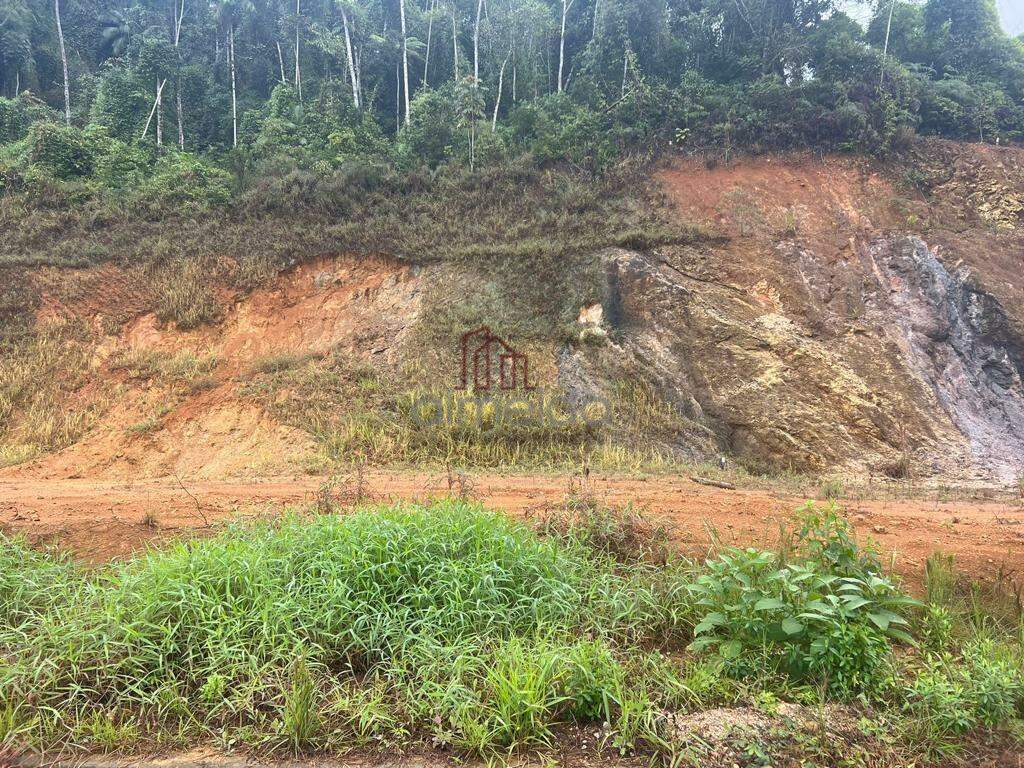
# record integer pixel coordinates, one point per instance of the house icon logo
(488, 360)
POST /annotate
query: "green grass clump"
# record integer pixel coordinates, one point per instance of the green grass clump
(345, 593)
(465, 622)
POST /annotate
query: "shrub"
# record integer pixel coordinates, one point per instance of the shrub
(122, 166)
(183, 181)
(940, 703)
(813, 623)
(17, 114)
(62, 151)
(996, 678)
(825, 537)
(321, 133)
(436, 130)
(623, 533)
(947, 696)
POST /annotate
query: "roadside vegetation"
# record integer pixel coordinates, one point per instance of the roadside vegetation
(453, 628)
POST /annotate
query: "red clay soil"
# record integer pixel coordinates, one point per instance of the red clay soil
(98, 520)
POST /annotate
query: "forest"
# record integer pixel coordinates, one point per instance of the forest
(197, 98)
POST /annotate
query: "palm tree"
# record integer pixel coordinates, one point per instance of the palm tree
(116, 33)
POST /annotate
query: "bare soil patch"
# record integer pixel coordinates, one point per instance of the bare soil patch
(98, 520)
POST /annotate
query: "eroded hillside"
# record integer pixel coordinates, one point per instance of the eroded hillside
(827, 315)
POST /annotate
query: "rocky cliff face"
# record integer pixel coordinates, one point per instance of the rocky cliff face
(957, 340)
(846, 322)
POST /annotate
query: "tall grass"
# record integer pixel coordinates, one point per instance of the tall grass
(273, 617)
(362, 415)
(41, 374)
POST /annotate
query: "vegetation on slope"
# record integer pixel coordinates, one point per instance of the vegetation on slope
(451, 626)
(182, 108)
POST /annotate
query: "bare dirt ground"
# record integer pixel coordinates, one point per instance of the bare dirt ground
(98, 520)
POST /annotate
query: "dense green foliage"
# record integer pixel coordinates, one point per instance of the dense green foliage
(457, 627)
(184, 103)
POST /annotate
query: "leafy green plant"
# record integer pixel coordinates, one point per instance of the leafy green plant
(815, 623)
(825, 537)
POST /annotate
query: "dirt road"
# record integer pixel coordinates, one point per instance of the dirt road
(98, 520)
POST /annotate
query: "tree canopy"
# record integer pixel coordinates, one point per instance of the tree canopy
(218, 89)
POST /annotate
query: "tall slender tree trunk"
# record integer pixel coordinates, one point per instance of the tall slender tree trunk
(359, 74)
(566, 5)
(159, 115)
(885, 49)
(426, 57)
(405, 57)
(351, 59)
(64, 63)
(455, 45)
(298, 71)
(476, 45)
(153, 110)
(179, 17)
(280, 62)
(497, 98)
(181, 122)
(234, 97)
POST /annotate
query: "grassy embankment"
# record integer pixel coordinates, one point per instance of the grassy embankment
(529, 237)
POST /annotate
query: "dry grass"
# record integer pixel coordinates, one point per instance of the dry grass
(183, 369)
(43, 402)
(360, 414)
(185, 294)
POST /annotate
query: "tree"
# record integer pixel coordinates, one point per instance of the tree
(298, 70)
(566, 5)
(476, 44)
(229, 15)
(116, 32)
(15, 43)
(63, 62)
(405, 58)
(962, 32)
(350, 56)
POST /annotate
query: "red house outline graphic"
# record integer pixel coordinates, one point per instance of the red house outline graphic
(479, 349)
